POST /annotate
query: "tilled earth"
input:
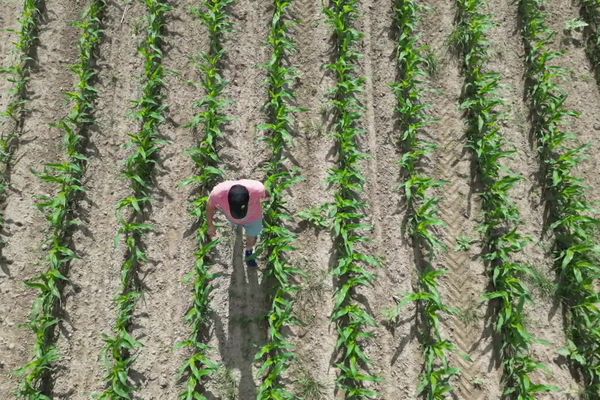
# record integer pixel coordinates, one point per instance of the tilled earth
(240, 299)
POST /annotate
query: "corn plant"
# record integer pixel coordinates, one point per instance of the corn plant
(590, 10)
(422, 204)
(15, 111)
(133, 209)
(347, 212)
(277, 354)
(60, 208)
(571, 216)
(211, 120)
(501, 218)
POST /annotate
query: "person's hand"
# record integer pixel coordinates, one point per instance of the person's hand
(212, 231)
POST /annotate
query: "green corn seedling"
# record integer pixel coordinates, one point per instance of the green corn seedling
(351, 317)
(60, 208)
(422, 204)
(571, 215)
(501, 218)
(18, 75)
(132, 210)
(277, 354)
(211, 121)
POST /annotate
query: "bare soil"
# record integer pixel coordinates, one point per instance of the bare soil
(240, 299)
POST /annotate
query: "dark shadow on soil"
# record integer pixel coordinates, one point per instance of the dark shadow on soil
(247, 327)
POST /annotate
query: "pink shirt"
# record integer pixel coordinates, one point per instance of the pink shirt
(256, 190)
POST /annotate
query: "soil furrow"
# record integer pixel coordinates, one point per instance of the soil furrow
(240, 298)
(9, 23)
(581, 87)
(315, 338)
(394, 351)
(26, 225)
(467, 277)
(88, 306)
(171, 244)
(545, 317)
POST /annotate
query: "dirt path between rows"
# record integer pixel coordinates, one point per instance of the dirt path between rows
(26, 226)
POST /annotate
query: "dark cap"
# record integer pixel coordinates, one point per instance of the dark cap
(238, 197)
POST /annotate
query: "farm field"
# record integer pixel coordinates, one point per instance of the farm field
(431, 233)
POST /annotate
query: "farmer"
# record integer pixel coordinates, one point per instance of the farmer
(241, 202)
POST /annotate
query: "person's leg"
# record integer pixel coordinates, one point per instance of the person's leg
(250, 242)
(252, 229)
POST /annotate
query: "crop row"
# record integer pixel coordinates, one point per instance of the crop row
(572, 219)
(422, 203)
(211, 121)
(501, 218)
(60, 209)
(15, 110)
(350, 316)
(571, 215)
(277, 354)
(133, 209)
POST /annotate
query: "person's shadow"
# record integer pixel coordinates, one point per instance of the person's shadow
(247, 325)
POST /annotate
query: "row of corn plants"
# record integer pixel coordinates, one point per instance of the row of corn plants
(502, 240)
(571, 215)
(351, 318)
(277, 354)
(60, 208)
(133, 209)
(590, 11)
(210, 120)
(422, 203)
(18, 75)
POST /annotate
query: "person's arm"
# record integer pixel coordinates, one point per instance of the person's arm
(266, 196)
(210, 216)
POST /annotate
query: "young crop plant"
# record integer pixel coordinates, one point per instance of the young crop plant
(277, 354)
(590, 11)
(571, 216)
(60, 208)
(501, 218)
(211, 121)
(14, 114)
(132, 210)
(422, 204)
(347, 212)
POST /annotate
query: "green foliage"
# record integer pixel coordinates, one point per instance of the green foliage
(572, 217)
(501, 218)
(277, 354)
(18, 75)
(132, 210)
(422, 204)
(211, 120)
(59, 208)
(351, 317)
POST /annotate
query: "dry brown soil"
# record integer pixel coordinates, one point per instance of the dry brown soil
(240, 299)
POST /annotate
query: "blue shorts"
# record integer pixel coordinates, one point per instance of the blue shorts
(253, 228)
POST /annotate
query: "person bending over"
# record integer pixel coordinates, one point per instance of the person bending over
(241, 202)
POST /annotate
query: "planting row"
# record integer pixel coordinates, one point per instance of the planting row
(573, 222)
